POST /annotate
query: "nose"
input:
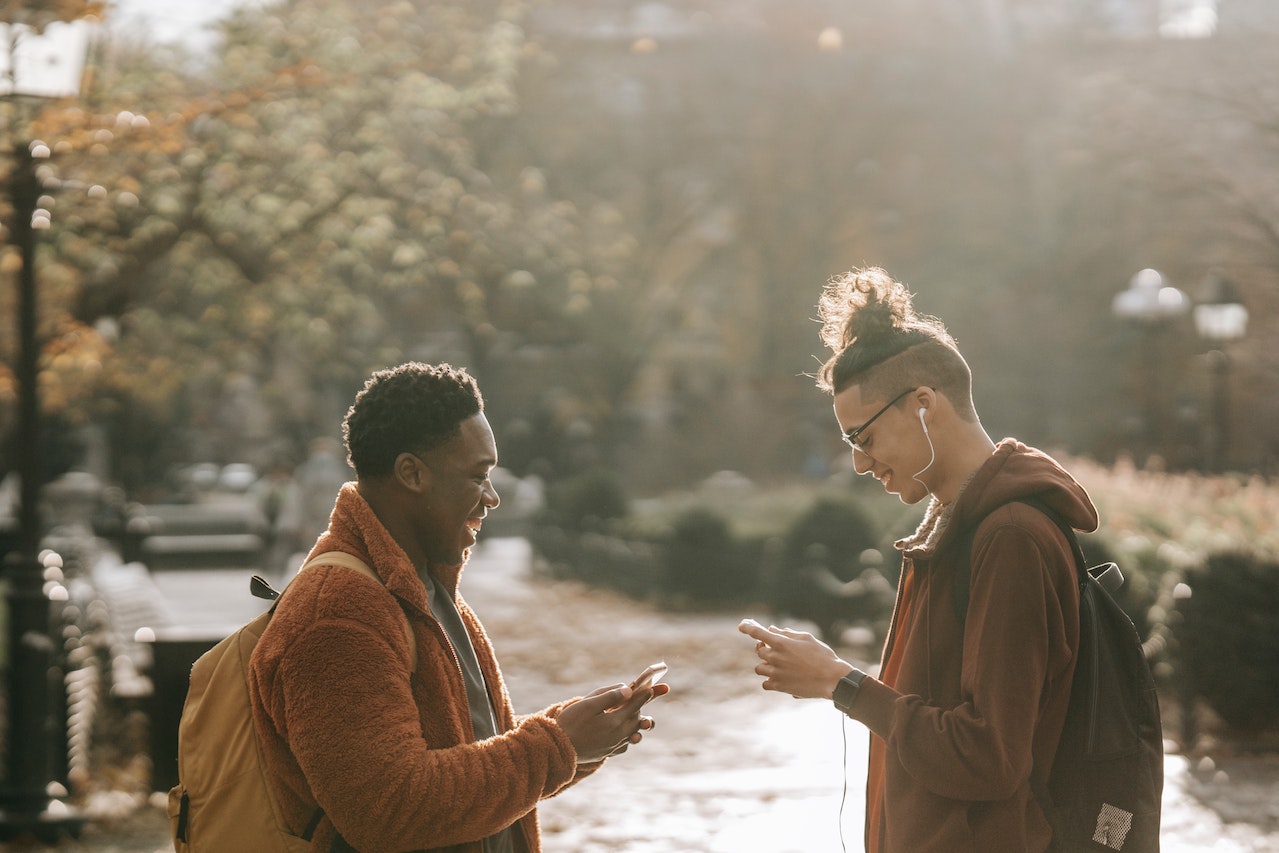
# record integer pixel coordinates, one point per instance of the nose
(489, 497)
(862, 463)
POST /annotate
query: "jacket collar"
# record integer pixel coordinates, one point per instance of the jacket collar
(1013, 471)
(355, 528)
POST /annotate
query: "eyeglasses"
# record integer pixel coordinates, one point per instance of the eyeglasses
(851, 437)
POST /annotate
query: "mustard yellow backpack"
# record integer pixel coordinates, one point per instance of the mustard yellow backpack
(222, 801)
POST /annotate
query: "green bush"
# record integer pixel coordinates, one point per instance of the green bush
(705, 563)
(696, 561)
(827, 570)
(843, 528)
(1228, 638)
(586, 502)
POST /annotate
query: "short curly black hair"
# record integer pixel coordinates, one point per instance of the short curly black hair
(412, 408)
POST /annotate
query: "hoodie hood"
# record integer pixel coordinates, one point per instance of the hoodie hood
(1014, 471)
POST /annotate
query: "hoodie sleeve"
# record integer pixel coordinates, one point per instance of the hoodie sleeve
(1017, 662)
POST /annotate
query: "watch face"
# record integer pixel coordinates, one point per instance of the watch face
(845, 692)
(846, 689)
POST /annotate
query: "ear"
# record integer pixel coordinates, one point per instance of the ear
(924, 398)
(411, 472)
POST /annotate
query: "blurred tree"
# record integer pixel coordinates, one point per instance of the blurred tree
(321, 210)
(621, 220)
(38, 14)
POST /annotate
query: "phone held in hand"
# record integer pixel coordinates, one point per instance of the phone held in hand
(649, 676)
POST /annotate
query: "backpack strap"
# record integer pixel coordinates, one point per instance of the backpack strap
(350, 561)
(312, 825)
(963, 572)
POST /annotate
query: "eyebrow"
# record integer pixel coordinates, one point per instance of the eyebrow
(851, 435)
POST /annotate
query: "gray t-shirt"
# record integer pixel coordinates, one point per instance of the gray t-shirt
(483, 717)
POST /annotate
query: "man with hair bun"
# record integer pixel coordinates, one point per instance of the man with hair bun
(384, 722)
(965, 706)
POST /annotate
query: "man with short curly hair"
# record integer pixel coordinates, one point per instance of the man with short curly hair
(379, 738)
(413, 405)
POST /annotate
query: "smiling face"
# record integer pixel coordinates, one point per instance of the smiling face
(456, 493)
(893, 448)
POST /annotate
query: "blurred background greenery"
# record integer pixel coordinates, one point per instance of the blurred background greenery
(618, 215)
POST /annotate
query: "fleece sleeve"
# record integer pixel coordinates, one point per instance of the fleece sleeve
(380, 782)
(583, 770)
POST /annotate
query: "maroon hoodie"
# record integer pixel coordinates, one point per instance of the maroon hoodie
(972, 707)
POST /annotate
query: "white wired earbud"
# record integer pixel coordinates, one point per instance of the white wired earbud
(931, 449)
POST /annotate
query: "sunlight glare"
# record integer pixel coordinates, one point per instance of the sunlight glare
(1194, 21)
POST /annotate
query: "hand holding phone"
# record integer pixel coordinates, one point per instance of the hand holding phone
(649, 676)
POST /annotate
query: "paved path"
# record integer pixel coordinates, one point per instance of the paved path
(729, 767)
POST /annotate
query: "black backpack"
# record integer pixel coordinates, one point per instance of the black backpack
(1107, 780)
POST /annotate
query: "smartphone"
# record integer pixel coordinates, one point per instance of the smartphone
(649, 676)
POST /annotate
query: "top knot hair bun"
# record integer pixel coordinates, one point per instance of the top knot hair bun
(868, 319)
(865, 306)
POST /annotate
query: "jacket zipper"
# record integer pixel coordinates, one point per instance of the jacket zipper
(457, 665)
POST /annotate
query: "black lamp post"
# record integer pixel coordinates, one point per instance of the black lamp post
(1151, 303)
(1220, 317)
(41, 63)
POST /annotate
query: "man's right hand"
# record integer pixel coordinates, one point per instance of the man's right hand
(607, 721)
(795, 662)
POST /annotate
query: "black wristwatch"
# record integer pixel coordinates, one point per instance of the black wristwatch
(846, 690)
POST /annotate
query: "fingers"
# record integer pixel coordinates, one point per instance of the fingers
(790, 661)
(619, 697)
(607, 721)
(767, 672)
(632, 704)
(646, 724)
(606, 698)
(751, 628)
(641, 698)
(659, 689)
(597, 736)
(770, 635)
(601, 690)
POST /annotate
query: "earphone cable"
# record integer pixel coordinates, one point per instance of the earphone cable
(843, 797)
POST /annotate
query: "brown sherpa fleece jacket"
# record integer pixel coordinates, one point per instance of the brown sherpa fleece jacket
(388, 754)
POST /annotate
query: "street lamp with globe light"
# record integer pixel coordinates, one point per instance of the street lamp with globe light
(1220, 317)
(1151, 304)
(42, 55)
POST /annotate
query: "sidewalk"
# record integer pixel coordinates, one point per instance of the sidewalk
(730, 767)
